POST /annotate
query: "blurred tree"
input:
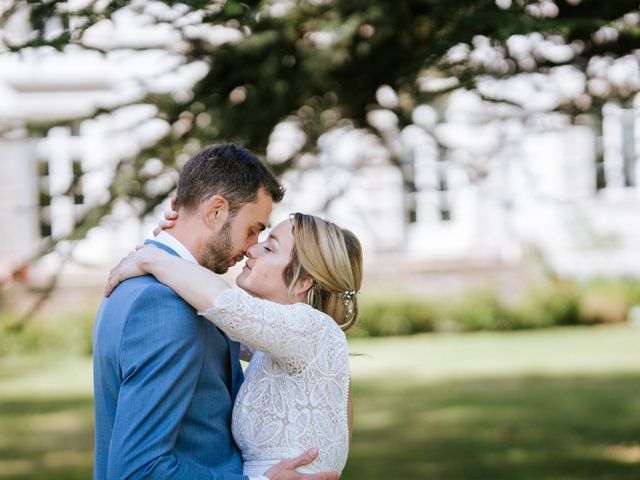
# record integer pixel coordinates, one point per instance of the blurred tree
(324, 64)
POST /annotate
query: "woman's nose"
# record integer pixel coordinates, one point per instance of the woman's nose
(252, 250)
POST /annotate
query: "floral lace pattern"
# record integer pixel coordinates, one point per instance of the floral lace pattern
(296, 387)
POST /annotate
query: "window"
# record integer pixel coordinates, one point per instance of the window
(629, 148)
(60, 191)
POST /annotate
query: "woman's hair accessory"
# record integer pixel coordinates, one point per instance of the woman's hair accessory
(347, 295)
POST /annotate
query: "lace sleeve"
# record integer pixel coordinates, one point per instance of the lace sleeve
(287, 333)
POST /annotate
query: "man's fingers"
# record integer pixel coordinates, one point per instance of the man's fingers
(170, 215)
(286, 468)
(305, 458)
(322, 476)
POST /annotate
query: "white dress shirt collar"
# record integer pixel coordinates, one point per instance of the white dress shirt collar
(171, 242)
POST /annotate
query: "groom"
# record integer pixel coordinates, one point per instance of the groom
(165, 379)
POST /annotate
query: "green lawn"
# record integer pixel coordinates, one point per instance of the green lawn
(551, 404)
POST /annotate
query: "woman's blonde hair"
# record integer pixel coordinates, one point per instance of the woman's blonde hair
(332, 258)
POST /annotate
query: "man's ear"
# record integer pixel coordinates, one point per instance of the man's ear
(215, 211)
(303, 285)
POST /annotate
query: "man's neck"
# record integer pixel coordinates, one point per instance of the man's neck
(184, 233)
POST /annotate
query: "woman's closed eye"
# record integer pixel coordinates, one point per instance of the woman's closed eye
(267, 248)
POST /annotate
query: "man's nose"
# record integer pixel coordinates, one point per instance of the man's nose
(251, 242)
(250, 251)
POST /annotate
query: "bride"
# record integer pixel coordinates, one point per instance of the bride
(297, 296)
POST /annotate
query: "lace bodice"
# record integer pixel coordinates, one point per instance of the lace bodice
(296, 387)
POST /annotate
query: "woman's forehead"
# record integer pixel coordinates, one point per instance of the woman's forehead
(284, 228)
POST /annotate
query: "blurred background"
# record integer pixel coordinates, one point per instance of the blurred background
(484, 151)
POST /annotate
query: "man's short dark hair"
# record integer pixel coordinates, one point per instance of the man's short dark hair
(227, 170)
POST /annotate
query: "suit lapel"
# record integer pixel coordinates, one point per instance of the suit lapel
(236, 370)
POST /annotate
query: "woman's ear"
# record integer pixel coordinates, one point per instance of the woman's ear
(303, 285)
(215, 211)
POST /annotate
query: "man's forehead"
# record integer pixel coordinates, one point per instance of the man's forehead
(257, 213)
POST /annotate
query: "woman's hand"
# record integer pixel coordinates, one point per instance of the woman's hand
(169, 217)
(133, 265)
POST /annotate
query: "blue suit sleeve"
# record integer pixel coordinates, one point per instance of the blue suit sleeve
(161, 358)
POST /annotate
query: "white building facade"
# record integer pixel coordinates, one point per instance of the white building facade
(564, 191)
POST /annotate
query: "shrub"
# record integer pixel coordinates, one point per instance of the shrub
(557, 303)
(475, 310)
(68, 334)
(546, 306)
(608, 301)
(393, 316)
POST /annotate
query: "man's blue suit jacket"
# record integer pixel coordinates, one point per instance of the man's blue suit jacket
(165, 380)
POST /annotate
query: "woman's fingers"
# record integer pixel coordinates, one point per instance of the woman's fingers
(163, 225)
(118, 273)
(168, 220)
(112, 282)
(170, 215)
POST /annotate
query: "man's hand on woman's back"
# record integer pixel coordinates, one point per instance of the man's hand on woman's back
(286, 469)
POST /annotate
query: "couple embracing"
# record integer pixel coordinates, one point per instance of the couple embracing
(171, 399)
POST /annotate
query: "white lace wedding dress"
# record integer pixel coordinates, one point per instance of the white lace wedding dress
(296, 387)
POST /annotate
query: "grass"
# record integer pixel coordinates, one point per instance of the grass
(560, 404)
(508, 428)
(46, 418)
